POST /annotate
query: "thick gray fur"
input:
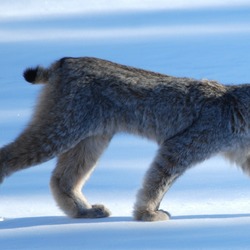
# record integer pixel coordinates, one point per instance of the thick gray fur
(85, 101)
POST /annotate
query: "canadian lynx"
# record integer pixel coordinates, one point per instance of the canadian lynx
(85, 101)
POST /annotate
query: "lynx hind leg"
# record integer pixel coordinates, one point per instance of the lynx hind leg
(72, 171)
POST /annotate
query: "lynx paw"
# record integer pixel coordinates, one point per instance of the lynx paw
(100, 211)
(158, 215)
(97, 211)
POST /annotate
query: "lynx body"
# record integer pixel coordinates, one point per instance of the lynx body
(86, 101)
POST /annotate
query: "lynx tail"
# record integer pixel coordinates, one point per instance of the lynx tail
(36, 75)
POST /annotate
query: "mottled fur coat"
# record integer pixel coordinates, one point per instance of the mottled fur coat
(85, 101)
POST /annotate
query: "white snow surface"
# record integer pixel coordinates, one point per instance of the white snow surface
(209, 204)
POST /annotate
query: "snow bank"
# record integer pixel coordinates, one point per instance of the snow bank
(28, 8)
(155, 32)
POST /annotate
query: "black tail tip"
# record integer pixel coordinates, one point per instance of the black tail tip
(30, 74)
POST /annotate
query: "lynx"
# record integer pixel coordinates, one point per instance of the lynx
(86, 101)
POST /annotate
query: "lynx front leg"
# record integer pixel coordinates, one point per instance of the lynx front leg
(175, 156)
(72, 171)
(158, 180)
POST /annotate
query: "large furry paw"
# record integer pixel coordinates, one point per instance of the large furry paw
(146, 215)
(100, 211)
(97, 211)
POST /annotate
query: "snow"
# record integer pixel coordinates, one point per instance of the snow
(16, 9)
(202, 39)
